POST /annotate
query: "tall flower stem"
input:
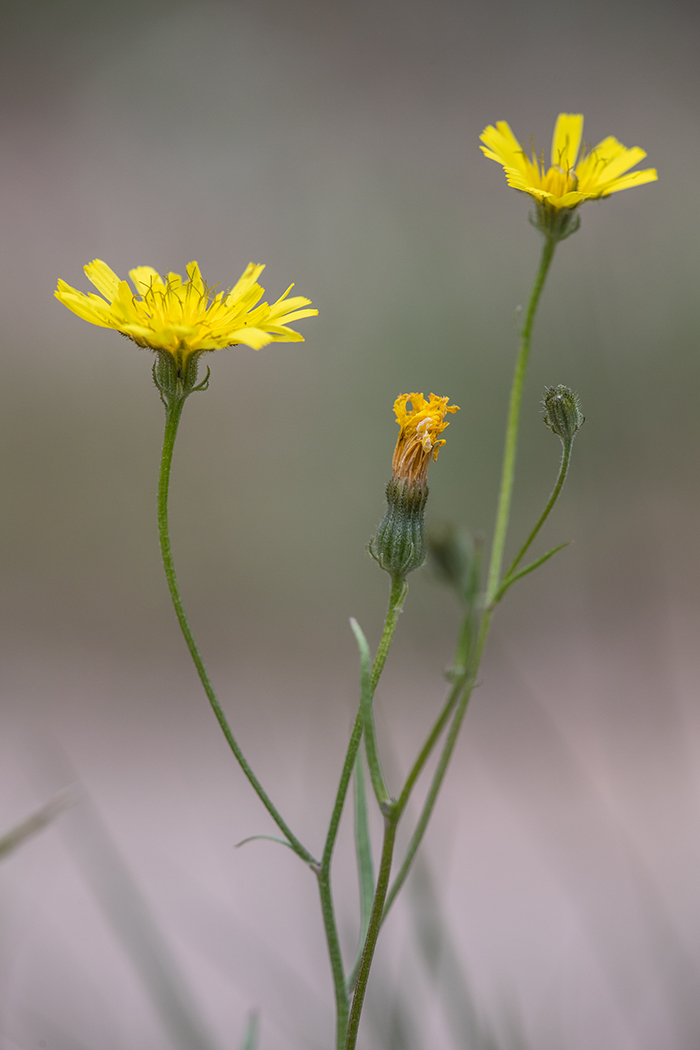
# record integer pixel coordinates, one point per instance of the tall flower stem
(509, 454)
(323, 870)
(173, 412)
(463, 685)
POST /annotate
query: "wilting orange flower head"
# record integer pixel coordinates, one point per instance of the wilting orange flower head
(419, 440)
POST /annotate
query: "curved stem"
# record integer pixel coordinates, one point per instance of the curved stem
(173, 411)
(563, 471)
(509, 454)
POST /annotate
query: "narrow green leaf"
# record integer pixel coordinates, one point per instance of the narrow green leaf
(509, 581)
(363, 848)
(35, 823)
(365, 864)
(252, 1029)
(269, 838)
(366, 695)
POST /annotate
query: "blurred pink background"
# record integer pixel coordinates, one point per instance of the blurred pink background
(338, 143)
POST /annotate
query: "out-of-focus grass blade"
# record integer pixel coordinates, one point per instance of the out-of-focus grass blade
(252, 1031)
(469, 1030)
(35, 823)
(132, 920)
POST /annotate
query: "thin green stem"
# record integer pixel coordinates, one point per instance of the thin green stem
(509, 455)
(567, 445)
(173, 412)
(466, 668)
(366, 696)
(464, 688)
(460, 695)
(396, 599)
(342, 1002)
(397, 596)
(430, 742)
(375, 924)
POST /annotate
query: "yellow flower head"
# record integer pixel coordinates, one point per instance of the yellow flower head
(167, 314)
(419, 437)
(597, 172)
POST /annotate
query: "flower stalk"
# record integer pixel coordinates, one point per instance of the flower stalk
(512, 426)
(173, 412)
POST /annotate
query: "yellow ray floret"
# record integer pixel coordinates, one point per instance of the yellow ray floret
(183, 317)
(419, 436)
(572, 178)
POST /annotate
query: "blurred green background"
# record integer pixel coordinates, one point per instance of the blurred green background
(338, 143)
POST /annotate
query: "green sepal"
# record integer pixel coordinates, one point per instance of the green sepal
(176, 375)
(556, 224)
(399, 546)
(562, 414)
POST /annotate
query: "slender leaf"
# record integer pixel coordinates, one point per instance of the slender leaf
(268, 838)
(252, 1029)
(366, 695)
(365, 864)
(509, 581)
(35, 823)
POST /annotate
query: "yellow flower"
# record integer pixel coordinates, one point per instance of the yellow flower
(571, 178)
(419, 437)
(167, 314)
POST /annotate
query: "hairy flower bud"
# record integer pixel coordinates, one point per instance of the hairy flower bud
(561, 412)
(399, 545)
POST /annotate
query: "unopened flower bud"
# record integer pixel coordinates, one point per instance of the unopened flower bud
(399, 545)
(561, 412)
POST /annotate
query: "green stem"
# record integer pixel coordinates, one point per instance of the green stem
(342, 1004)
(396, 599)
(391, 820)
(173, 411)
(516, 393)
(399, 590)
(563, 470)
(464, 684)
(463, 689)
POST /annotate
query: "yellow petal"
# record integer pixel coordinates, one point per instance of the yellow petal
(296, 315)
(84, 306)
(195, 277)
(247, 279)
(633, 178)
(144, 278)
(567, 140)
(104, 279)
